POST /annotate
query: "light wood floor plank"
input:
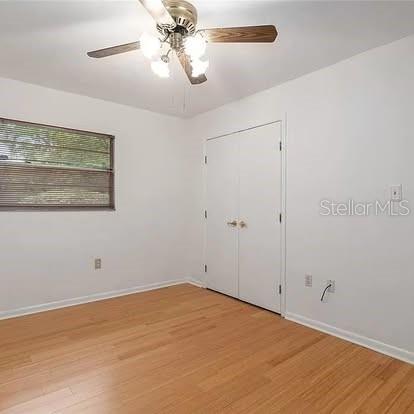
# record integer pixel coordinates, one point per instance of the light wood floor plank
(189, 350)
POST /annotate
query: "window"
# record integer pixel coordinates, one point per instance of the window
(50, 167)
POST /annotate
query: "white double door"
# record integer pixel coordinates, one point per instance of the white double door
(243, 232)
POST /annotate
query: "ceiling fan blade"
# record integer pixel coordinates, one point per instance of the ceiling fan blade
(186, 64)
(247, 34)
(114, 50)
(158, 12)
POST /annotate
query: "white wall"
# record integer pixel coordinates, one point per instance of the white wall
(350, 135)
(48, 256)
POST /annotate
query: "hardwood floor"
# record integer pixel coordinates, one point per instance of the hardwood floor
(189, 350)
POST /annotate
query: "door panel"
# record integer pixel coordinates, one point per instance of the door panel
(222, 207)
(259, 207)
(244, 184)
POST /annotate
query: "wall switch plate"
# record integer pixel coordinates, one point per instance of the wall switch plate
(332, 287)
(308, 280)
(396, 192)
(98, 264)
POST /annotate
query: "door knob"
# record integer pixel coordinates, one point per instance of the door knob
(242, 224)
(232, 223)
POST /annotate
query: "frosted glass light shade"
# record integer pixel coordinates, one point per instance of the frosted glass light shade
(150, 45)
(199, 67)
(161, 68)
(195, 46)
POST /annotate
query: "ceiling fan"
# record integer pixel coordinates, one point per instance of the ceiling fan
(177, 25)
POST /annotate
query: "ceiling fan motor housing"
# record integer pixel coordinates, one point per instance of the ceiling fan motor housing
(184, 15)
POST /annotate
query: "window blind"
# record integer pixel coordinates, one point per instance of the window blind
(44, 166)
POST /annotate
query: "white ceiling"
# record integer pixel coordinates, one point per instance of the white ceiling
(45, 42)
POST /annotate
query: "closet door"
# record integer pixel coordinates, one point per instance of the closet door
(222, 208)
(259, 208)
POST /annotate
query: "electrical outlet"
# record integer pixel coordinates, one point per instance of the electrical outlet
(332, 287)
(308, 280)
(98, 264)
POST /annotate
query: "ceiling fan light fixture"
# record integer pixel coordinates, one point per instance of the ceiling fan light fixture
(161, 68)
(176, 22)
(150, 45)
(195, 46)
(199, 67)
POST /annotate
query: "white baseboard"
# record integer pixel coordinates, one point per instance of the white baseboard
(364, 341)
(196, 282)
(90, 298)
